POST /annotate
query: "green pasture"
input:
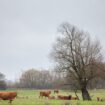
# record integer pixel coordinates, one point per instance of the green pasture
(31, 97)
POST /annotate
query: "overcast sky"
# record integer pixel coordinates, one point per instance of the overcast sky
(29, 27)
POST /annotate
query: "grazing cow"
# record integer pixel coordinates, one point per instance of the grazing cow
(64, 97)
(8, 96)
(56, 91)
(45, 94)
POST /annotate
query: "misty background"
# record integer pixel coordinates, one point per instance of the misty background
(28, 29)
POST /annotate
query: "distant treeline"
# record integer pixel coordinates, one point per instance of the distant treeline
(37, 79)
(45, 79)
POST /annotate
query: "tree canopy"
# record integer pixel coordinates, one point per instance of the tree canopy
(76, 54)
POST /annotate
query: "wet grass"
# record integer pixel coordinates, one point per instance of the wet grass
(31, 97)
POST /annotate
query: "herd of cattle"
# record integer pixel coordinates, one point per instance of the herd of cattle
(62, 97)
(47, 94)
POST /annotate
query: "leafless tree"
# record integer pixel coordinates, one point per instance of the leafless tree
(39, 79)
(76, 54)
(31, 79)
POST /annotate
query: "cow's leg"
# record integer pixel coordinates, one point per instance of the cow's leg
(10, 101)
(39, 96)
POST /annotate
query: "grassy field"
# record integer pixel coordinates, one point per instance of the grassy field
(31, 97)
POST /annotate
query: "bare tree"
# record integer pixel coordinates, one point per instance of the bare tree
(77, 55)
(39, 79)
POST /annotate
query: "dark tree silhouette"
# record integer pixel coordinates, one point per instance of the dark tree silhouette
(77, 56)
(3, 85)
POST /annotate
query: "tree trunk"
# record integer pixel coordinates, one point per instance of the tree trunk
(76, 94)
(85, 94)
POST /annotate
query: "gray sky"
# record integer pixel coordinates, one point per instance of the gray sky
(29, 27)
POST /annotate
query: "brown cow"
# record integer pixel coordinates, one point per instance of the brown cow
(56, 91)
(8, 96)
(64, 97)
(45, 94)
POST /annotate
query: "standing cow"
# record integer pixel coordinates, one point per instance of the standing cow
(44, 94)
(8, 96)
